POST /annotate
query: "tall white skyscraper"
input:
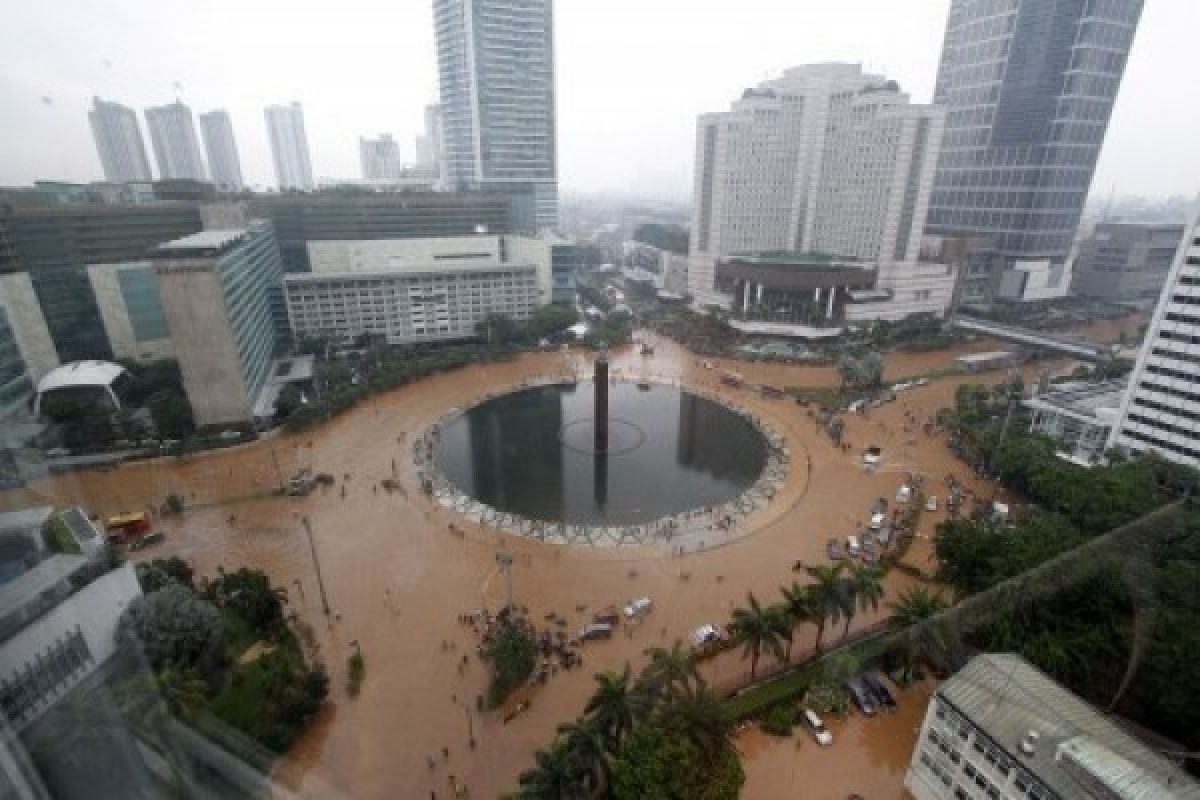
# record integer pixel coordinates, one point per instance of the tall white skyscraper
(496, 74)
(176, 147)
(429, 144)
(119, 142)
(1162, 403)
(825, 159)
(289, 146)
(380, 158)
(217, 130)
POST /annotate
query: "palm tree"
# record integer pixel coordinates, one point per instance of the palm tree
(184, 692)
(700, 712)
(923, 639)
(590, 753)
(798, 605)
(827, 594)
(758, 628)
(864, 589)
(614, 705)
(555, 775)
(670, 672)
(915, 605)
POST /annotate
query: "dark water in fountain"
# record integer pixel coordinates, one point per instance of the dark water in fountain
(532, 453)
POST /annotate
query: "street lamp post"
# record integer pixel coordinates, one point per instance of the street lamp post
(505, 560)
(316, 564)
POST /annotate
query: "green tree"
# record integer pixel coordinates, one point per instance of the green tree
(551, 319)
(921, 639)
(174, 628)
(660, 761)
(614, 705)
(864, 587)
(828, 595)
(590, 752)
(556, 775)
(800, 609)
(758, 629)
(172, 414)
(513, 655)
(670, 672)
(249, 593)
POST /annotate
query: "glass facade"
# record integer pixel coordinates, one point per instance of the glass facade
(250, 277)
(1029, 86)
(16, 388)
(139, 289)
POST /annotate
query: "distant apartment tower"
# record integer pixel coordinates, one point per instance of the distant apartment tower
(1029, 86)
(176, 147)
(496, 75)
(217, 290)
(825, 160)
(1126, 262)
(1163, 402)
(289, 146)
(380, 158)
(429, 144)
(219, 144)
(119, 142)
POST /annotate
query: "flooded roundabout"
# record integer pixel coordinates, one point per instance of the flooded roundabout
(604, 462)
(707, 494)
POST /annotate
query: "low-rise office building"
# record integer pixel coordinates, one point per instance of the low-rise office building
(1125, 262)
(1002, 730)
(219, 292)
(1079, 416)
(420, 290)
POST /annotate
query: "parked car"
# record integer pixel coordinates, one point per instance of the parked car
(860, 696)
(606, 616)
(904, 494)
(852, 546)
(931, 503)
(877, 520)
(705, 634)
(833, 548)
(639, 608)
(596, 631)
(872, 457)
(817, 728)
(882, 693)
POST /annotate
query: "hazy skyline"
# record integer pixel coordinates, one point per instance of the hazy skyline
(631, 78)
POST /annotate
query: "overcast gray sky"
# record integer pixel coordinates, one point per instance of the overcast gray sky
(632, 76)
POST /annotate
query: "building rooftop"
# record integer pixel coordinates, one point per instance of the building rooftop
(204, 243)
(80, 373)
(1007, 698)
(1083, 399)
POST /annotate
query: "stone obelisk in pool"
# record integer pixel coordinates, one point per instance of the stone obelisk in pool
(601, 404)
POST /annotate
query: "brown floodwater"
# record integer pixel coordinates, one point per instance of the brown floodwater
(397, 574)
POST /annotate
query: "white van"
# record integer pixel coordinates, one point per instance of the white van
(904, 494)
(817, 728)
(638, 609)
(877, 520)
(852, 546)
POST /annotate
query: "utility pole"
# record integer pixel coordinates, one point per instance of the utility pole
(316, 565)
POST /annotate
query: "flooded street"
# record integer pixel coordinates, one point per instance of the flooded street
(397, 575)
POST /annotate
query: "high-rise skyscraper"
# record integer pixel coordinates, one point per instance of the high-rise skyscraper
(289, 146)
(429, 144)
(825, 159)
(496, 74)
(1028, 86)
(380, 158)
(176, 147)
(119, 142)
(219, 144)
(1162, 405)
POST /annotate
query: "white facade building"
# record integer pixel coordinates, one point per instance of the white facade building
(119, 142)
(289, 146)
(176, 147)
(429, 144)
(24, 317)
(1162, 407)
(825, 159)
(496, 78)
(418, 290)
(1002, 730)
(223, 162)
(380, 158)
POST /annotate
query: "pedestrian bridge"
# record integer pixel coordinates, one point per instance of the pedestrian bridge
(1080, 348)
